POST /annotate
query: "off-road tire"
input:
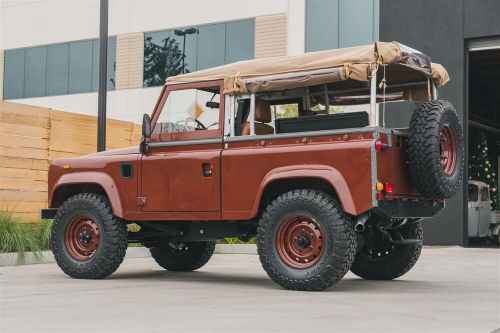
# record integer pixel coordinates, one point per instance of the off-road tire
(398, 261)
(194, 256)
(339, 240)
(424, 149)
(112, 244)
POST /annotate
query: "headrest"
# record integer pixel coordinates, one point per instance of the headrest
(262, 111)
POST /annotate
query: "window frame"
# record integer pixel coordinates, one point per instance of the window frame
(193, 135)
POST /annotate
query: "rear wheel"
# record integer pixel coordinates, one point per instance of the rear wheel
(304, 240)
(436, 149)
(183, 257)
(88, 242)
(380, 259)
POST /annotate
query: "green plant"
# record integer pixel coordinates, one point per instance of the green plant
(19, 237)
(235, 241)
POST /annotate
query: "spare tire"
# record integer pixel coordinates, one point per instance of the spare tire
(436, 149)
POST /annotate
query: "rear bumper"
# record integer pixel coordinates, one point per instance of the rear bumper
(408, 208)
(48, 213)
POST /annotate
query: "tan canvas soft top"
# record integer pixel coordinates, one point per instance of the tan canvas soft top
(352, 63)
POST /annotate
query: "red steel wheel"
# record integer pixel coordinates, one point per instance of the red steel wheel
(448, 149)
(299, 240)
(82, 237)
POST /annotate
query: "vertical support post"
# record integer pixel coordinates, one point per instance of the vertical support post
(252, 114)
(434, 90)
(103, 64)
(374, 118)
(327, 99)
(232, 115)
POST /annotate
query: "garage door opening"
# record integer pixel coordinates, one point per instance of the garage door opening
(484, 143)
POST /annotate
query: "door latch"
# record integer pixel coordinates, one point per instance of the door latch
(206, 169)
(141, 201)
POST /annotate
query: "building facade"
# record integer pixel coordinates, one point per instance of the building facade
(49, 50)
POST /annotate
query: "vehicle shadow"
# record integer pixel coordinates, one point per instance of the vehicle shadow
(351, 284)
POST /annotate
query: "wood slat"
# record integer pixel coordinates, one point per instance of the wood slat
(23, 184)
(39, 154)
(23, 141)
(23, 163)
(39, 196)
(23, 173)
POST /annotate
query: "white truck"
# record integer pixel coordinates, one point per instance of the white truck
(484, 223)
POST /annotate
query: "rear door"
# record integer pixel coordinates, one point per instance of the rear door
(181, 170)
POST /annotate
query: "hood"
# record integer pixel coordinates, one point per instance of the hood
(119, 151)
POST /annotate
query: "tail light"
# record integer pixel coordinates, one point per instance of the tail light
(388, 187)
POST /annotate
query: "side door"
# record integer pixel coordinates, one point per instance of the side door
(484, 211)
(181, 169)
(473, 206)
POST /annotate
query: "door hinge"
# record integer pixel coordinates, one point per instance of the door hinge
(141, 201)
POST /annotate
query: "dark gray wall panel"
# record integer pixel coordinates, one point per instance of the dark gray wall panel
(482, 18)
(435, 28)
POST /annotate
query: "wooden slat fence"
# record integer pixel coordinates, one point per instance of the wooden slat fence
(31, 137)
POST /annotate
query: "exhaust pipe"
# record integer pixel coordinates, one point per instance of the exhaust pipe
(360, 223)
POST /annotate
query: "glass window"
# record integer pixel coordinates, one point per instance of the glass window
(190, 110)
(14, 74)
(485, 195)
(57, 69)
(473, 193)
(211, 46)
(111, 64)
(340, 23)
(188, 49)
(356, 22)
(80, 67)
(34, 71)
(165, 54)
(240, 40)
(322, 25)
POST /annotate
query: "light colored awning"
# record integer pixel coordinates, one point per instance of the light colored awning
(402, 64)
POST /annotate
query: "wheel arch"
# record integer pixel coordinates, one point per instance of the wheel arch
(316, 177)
(72, 184)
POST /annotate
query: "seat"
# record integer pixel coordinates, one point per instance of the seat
(262, 117)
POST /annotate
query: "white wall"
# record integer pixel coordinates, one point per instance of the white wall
(127, 105)
(27, 22)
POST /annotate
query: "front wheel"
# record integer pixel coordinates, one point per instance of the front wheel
(88, 242)
(379, 259)
(305, 241)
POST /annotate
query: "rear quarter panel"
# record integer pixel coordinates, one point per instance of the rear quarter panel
(246, 164)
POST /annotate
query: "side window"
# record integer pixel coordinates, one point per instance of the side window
(473, 193)
(484, 194)
(189, 110)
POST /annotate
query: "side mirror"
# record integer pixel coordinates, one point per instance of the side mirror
(146, 126)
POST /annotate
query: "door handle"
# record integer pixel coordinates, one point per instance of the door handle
(206, 169)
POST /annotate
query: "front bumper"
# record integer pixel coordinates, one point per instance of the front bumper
(48, 213)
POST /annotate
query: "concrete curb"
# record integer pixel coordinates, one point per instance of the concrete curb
(46, 257)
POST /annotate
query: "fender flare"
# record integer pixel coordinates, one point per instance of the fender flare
(324, 172)
(93, 177)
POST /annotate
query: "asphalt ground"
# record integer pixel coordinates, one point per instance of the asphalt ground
(450, 289)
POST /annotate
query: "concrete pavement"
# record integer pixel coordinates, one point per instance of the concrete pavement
(449, 290)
